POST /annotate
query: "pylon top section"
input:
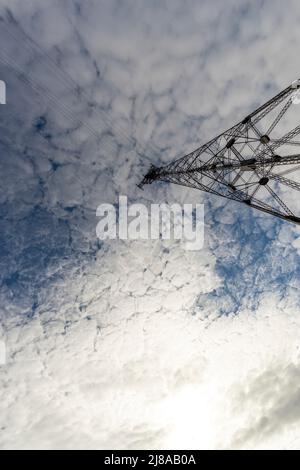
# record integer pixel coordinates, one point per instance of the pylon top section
(249, 162)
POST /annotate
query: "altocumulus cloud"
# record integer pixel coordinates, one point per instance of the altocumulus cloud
(130, 344)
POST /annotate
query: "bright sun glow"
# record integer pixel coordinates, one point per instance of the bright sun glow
(191, 413)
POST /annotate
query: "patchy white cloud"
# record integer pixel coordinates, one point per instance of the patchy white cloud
(131, 344)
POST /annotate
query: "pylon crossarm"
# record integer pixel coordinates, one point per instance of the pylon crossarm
(250, 164)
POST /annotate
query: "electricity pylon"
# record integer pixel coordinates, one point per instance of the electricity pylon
(249, 162)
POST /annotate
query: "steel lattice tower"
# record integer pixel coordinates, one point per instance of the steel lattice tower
(249, 162)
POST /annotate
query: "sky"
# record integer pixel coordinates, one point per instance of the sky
(121, 344)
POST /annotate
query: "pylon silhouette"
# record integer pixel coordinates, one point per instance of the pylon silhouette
(249, 162)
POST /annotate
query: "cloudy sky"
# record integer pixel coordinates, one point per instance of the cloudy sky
(140, 344)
